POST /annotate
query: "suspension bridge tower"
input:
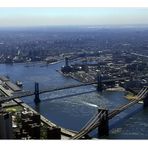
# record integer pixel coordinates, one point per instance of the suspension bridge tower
(37, 99)
(103, 128)
(99, 83)
(66, 62)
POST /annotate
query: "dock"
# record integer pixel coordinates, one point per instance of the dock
(13, 86)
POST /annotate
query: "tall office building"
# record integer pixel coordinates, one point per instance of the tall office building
(6, 131)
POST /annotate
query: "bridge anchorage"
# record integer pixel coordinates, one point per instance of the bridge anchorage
(36, 93)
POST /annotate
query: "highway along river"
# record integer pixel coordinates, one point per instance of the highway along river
(74, 111)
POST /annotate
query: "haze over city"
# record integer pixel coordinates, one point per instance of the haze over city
(28, 17)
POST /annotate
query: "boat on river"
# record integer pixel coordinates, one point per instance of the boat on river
(19, 83)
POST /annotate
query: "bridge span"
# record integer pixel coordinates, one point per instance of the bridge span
(100, 120)
(37, 91)
(31, 93)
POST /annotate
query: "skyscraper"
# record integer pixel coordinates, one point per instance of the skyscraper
(6, 126)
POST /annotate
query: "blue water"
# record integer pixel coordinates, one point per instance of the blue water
(74, 111)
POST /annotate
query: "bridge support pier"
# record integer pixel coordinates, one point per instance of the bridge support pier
(103, 128)
(37, 99)
(145, 101)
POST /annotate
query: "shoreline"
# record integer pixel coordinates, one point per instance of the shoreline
(128, 95)
(34, 62)
(116, 89)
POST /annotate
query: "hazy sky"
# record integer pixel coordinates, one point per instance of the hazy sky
(72, 16)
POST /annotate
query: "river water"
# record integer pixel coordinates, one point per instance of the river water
(74, 111)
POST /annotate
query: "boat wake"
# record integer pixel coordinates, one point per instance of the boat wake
(90, 104)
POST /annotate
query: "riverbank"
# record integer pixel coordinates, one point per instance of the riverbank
(116, 89)
(130, 96)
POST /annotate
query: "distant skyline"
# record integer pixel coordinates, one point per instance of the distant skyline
(29, 17)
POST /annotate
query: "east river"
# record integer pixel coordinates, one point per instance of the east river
(73, 112)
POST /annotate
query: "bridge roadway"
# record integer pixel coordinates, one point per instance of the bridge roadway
(30, 93)
(94, 122)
